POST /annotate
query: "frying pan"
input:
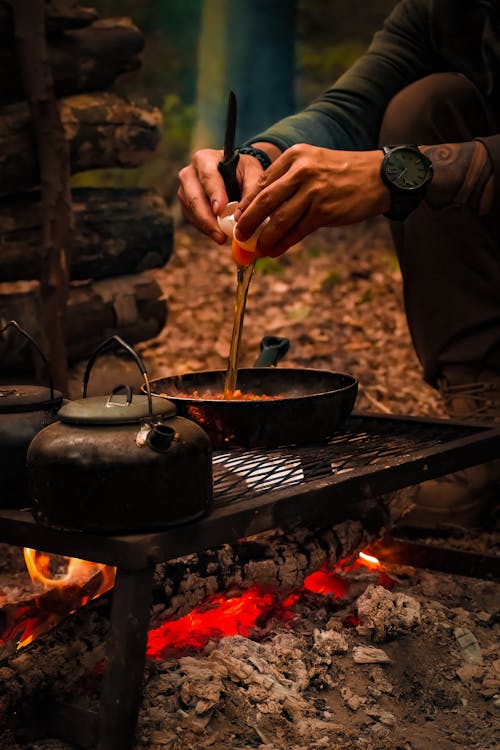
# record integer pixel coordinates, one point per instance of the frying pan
(310, 405)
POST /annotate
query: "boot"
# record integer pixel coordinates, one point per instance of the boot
(464, 498)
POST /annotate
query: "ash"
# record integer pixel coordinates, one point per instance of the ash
(421, 670)
(413, 667)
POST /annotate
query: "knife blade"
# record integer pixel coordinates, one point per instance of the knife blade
(227, 167)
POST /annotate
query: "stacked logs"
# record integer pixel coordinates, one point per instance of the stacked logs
(119, 234)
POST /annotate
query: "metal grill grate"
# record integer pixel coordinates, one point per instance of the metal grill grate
(365, 441)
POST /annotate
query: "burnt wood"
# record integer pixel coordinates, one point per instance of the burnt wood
(59, 15)
(103, 130)
(88, 59)
(132, 307)
(116, 232)
(52, 158)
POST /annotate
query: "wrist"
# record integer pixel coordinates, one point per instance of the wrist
(272, 151)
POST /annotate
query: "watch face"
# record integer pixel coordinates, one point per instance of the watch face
(406, 169)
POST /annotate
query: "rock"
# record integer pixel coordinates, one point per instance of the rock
(369, 655)
(384, 614)
(471, 650)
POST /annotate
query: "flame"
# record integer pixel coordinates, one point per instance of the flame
(65, 591)
(370, 560)
(77, 571)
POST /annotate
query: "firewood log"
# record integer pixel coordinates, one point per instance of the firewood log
(88, 59)
(60, 15)
(103, 130)
(117, 231)
(130, 306)
(279, 560)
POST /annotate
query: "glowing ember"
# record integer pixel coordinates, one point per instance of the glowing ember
(221, 616)
(326, 582)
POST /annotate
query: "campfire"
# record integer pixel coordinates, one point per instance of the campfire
(70, 583)
(346, 657)
(267, 625)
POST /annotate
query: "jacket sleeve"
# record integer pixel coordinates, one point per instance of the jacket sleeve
(349, 114)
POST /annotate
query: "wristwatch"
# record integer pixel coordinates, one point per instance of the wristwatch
(406, 171)
(261, 156)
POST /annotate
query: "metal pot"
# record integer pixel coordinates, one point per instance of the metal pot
(24, 411)
(309, 405)
(123, 463)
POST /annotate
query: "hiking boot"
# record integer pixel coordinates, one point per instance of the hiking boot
(465, 497)
(469, 395)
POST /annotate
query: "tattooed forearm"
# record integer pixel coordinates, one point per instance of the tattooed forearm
(463, 175)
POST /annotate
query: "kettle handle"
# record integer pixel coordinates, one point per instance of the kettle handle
(28, 337)
(137, 359)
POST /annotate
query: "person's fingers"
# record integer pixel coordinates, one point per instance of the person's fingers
(264, 179)
(288, 225)
(195, 205)
(269, 202)
(205, 163)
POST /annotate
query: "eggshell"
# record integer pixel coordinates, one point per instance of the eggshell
(228, 225)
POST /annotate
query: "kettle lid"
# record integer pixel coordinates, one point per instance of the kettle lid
(119, 408)
(24, 398)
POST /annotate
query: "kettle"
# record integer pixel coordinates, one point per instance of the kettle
(24, 411)
(121, 463)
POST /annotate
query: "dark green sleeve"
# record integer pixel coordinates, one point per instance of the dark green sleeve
(348, 115)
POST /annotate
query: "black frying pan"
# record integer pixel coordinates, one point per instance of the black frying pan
(311, 404)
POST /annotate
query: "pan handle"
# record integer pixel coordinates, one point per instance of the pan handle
(272, 349)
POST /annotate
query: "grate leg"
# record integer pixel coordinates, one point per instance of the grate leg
(122, 683)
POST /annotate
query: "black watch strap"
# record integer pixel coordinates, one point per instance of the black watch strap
(258, 153)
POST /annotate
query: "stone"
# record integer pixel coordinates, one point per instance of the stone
(369, 655)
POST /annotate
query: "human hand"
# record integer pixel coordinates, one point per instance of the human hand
(202, 194)
(309, 187)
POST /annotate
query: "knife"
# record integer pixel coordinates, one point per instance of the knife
(227, 167)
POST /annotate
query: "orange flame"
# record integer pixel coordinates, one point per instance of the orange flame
(66, 590)
(76, 572)
(369, 560)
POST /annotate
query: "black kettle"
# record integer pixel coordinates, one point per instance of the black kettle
(24, 411)
(120, 463)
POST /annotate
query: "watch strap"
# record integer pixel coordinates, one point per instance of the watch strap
(261, 156)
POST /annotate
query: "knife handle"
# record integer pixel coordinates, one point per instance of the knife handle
(228, 171)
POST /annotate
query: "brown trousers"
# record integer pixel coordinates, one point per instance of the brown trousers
(449, 259)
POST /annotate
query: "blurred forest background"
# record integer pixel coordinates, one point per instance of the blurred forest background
(197, 49)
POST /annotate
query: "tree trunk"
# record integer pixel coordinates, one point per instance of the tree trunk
(52, 155)
(129, 306)
(103, 130)
(248, 47)
(117, 231)
(89, 59)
